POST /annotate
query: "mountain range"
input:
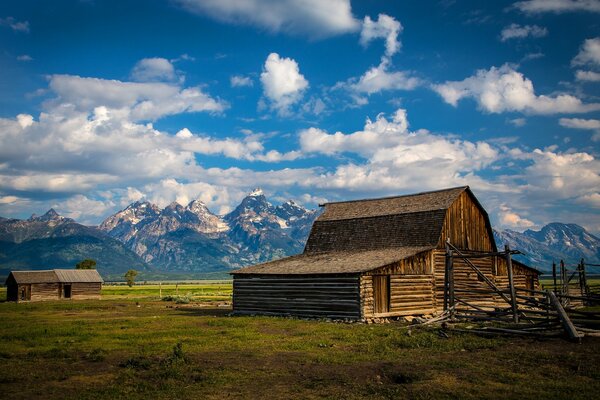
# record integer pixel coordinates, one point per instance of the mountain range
(190, 239)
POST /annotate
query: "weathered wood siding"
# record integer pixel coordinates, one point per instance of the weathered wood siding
(332, 296)
(411, 287)
(45, 291)
(465, 225)
(85, 290)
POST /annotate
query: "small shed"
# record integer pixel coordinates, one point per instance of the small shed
(381, 258)
(53, 284)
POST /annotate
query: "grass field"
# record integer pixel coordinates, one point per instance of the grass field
(132, 345)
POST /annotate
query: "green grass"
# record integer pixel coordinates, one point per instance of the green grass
(206, 291)
(121, 347)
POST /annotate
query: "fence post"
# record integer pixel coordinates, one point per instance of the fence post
(513, 296)
(586, 288)
(447, 277)
(554, 275)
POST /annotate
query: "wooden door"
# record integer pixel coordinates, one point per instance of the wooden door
(381, 293)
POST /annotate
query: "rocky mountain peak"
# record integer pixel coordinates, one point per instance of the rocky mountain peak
(50, 215)
(256, 192)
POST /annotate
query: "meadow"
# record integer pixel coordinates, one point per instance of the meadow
(133, 345)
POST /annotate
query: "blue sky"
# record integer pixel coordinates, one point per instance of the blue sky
(103, 103)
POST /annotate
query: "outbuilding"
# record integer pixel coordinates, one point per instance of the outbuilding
(383, 257)
(53, 284)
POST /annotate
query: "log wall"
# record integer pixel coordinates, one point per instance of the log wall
(466, 226)
(45, 291)
(331, 296)
(84, 290)
(409, 295)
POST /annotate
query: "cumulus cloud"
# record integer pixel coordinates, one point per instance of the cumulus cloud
(586, 124)
(510, 219)
(385, 27)
(153, 70)
(283, 84)
(379, 78)
(589, 53)
(314, 18)
(587, 76)
(557, 6)
(240, 81)
(504, 89)
(516, 31)
(140, 100)
(397, 158)
(578, 123)
(17, 26)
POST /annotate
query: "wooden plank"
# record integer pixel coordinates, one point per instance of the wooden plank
(564, 318)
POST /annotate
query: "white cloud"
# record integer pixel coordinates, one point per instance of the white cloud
(80, 208)
(589, 53)
(557, 6)
(283, 84)
(315, 18)
(17, 26)
(390, 148)
(385, 27)
(240, 81)
(504, 89)
(24, 57)
(518, 122)
(141, 101)
(510, 219)
(578, 123)
(378, 79)
(587, 76)
(154, 70)
(516, 31)
(587, 124)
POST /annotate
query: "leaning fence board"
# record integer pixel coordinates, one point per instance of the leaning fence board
(564, 318)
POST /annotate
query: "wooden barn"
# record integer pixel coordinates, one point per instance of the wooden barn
(53, 284)
(383, 258)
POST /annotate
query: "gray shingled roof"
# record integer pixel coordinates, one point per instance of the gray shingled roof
(412, 203)
(345, 262)
(57, 275)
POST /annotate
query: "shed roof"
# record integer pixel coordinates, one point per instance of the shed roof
(57, 276)
(340, 262)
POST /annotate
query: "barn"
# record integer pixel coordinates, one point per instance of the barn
(384, 257)
(53, 284)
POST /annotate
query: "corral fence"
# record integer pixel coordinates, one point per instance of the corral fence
(558, 309)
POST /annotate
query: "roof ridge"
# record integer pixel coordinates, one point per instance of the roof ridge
(396, 197)
(381, 215)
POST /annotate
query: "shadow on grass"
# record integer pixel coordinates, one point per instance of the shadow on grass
(203, 311)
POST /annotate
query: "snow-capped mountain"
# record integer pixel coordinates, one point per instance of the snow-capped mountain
(552, 243)
(53, 241)
(192, 238)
